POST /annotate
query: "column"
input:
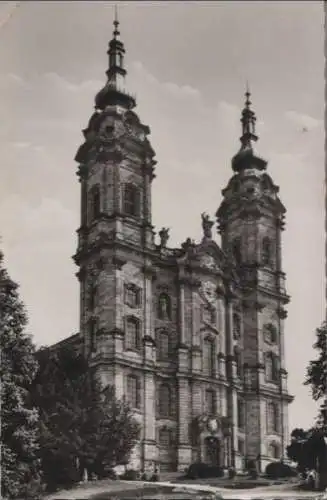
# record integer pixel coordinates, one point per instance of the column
(181, 312)
(184, 421)
(149, 420)
(231, 371)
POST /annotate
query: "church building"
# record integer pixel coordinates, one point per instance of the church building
(192, 336)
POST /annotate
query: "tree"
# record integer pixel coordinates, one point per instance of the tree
(316, 375)
(316, 378)
(82, 426)
(20, 473)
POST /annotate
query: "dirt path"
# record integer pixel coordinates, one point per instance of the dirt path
(87, 492)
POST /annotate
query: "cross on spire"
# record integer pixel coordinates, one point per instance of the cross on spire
(116, 31)
(248, 120)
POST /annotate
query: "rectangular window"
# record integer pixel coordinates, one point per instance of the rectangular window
(132, 296)
(240, 414)
(208, 357)
(133, 334)
(133, 391)
(210, 402)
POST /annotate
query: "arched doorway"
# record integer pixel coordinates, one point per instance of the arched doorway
(212, 451)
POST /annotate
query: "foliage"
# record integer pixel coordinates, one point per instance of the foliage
(316, 376)
(276, 470)
(202, 470)
(307, 449)
(130, 475)
(19, 419)
(82, 426)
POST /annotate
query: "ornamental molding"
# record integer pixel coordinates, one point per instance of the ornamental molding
(282, 313)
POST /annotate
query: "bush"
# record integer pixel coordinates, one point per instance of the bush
(231, 473)
(275, 470)
(155, 477)
(130, 475)
(202, 471)
(253, 473)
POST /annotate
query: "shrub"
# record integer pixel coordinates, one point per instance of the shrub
(155, 477)
(253, 473)
(202, 471)
(275, 470)
(130, 475)
(231, 473)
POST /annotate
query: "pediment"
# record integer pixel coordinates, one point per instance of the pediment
(210, 256)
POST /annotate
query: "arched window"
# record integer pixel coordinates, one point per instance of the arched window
(133, 391)
(240, 413)
(271, 367)
(210, 402)
(164, 400)
(273, 417)
(164, 307)
(133, 341)
(208, 357)
(236, 326)
(163, 345)
(266, 251)
(237, 254)
(131, 200)
(95, 200)
(238, 362)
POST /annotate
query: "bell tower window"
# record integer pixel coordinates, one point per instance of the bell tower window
(94, 203)
(266, 252)
(237, 254)
(131, 200)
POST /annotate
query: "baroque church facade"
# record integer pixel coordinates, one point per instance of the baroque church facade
(192, 337)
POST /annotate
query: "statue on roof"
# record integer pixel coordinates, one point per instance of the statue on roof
(164, 236)
(207, 225)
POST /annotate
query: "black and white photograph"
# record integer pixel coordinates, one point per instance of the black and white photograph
(163, 250)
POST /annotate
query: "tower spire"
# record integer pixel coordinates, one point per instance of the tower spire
(116, 32)
(246, 157)
(248, 120)
(114, 90)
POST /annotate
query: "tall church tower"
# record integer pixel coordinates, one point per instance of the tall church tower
(115, 172)
(251, 220)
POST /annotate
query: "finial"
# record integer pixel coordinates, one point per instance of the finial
(248, 122)
(247, 95)
(116, 32)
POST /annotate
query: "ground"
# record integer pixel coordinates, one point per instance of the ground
(132, 490)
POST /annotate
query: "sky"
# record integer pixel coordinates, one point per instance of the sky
(188, 64)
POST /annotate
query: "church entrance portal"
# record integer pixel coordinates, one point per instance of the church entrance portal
(212, 451)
